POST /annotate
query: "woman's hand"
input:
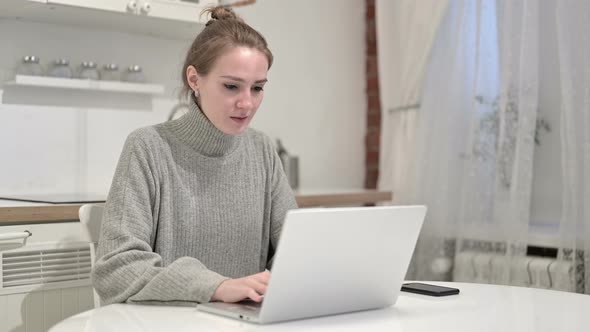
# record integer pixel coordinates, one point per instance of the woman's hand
(235, 290)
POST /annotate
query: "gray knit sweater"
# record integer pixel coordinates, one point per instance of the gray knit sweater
(189, 207)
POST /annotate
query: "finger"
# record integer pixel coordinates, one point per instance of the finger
(254, 296)
(263, 277)
(259, 287)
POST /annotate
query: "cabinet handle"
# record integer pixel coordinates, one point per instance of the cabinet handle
(132, 6)
(146, 7)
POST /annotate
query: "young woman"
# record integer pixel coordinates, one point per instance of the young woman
(196, 205)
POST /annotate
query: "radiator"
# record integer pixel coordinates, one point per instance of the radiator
(42, 284)
(527, 271)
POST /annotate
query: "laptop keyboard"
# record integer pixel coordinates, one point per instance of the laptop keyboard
(250, 305)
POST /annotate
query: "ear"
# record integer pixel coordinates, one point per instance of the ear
(192, 77)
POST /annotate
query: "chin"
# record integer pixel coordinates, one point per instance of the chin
(241, 131)
(235, 131)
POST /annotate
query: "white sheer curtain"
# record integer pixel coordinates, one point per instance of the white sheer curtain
(475, 138)
(406, 31)
(573, 24)
(463, 139)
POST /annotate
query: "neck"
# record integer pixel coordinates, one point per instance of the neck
(196, 130)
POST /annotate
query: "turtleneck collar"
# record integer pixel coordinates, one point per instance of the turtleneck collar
(195, 129)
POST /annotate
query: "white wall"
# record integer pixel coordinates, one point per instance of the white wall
(315, 100)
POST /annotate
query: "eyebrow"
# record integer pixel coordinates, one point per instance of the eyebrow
(241, 80)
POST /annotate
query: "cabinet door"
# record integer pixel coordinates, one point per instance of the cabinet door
(177, 10)
(122, 6)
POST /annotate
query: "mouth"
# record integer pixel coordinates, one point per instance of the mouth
(239, 119)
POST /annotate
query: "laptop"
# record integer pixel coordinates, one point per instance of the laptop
(332, 261)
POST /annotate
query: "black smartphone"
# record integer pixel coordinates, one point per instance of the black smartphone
(426, 289)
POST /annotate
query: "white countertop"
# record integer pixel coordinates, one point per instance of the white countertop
(9, 203)
(18, 212)
(299, 192)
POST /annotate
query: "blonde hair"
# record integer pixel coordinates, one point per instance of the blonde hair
(224, 30)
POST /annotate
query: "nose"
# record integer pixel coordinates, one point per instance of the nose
(245, 100)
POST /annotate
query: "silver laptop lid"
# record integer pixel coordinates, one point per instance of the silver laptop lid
(337, 260)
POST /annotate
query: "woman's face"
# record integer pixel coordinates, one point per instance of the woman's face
(232, 91)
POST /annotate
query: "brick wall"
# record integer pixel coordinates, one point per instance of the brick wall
(373, 132)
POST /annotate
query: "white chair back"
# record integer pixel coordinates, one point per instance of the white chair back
(91, 218)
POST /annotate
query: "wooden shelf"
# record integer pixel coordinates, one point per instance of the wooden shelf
(75, 94)
(79, 84)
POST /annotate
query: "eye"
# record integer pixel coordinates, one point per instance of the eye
(231, 86)
(258, 88)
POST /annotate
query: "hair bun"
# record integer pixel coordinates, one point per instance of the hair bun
(221, 13)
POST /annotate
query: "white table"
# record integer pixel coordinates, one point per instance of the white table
(477, 308)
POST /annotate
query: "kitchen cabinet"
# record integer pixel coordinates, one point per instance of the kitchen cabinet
(177, 10)
(173, 19)
(122, 6)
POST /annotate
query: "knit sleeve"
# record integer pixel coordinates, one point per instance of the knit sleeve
(283, 200)
(127, 269)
